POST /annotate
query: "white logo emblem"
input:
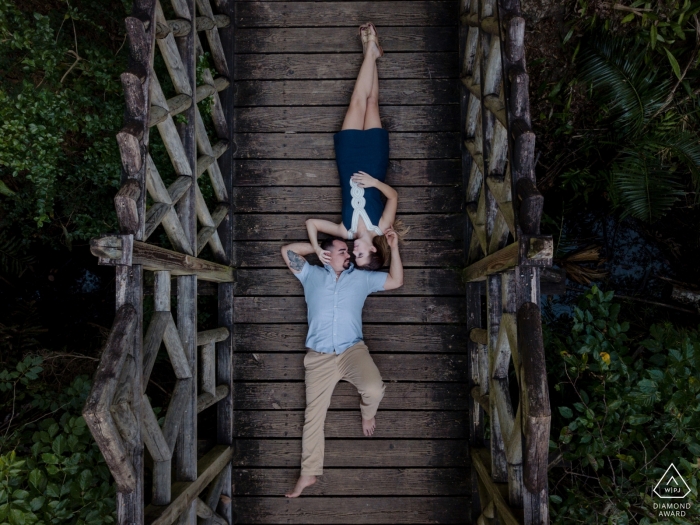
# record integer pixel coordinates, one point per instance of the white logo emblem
(672, 485)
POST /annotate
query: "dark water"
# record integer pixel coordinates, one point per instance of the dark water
(634, 262)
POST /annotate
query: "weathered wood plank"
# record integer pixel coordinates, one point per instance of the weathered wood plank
(253, 199)
(300, 14)
(430, 91)
(436, 145)
(419, 254)
(356, 453)
(355, 482)
(393, 367)
(353, 510)
(432, 172)
(342, 40)
(384, 309)
(321, 510)
(348, 424)
(343, 66)
(300, 119)
(292, 396)
(282, 282)
(257, 227)
(379, 338)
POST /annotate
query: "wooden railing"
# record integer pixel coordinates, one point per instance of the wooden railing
(505, 255)
(118, 412)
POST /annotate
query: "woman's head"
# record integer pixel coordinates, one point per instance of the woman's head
(373, 254)
(368, 253)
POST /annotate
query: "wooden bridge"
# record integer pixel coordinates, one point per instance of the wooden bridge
(249, 137)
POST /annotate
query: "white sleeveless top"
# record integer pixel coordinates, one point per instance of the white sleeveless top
(358, 210)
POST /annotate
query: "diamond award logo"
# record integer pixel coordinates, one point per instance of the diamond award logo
(672, 485)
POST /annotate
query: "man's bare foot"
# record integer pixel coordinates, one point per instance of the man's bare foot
(302, 483)
(368, 426)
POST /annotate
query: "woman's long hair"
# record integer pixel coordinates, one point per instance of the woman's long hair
(383, 254)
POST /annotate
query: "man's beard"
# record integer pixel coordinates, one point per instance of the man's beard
(346, 264)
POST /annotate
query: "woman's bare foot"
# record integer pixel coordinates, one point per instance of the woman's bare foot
(368, 426)
(302, 483)
(370, 44)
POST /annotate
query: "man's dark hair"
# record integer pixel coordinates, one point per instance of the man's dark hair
(327, 243)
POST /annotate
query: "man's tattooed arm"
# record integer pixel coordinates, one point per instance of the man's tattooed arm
(296, 261)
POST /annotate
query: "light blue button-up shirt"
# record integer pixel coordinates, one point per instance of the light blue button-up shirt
(335, 306)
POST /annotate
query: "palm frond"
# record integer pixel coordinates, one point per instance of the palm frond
(646, 188)
(683, 146)
(621, 80)
(13, 259)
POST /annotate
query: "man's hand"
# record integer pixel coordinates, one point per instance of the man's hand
(364, 180)
(324, 256)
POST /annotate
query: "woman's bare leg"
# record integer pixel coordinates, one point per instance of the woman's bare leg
(355, 116)
(372, 119)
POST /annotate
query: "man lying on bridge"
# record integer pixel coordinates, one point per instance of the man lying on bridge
(335, 295)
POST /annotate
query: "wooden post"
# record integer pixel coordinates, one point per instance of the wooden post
(224, 349)
(185, 457)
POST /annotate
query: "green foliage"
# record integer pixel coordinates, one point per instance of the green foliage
(644, 153)
(624, 412)
(60, 106)
(666, 29)
(632, 92)
(51, 470)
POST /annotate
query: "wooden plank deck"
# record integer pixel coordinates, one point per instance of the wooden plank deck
(294, 69)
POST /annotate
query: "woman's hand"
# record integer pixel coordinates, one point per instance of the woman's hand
(364, 180)
(392, 238)
(323, 255)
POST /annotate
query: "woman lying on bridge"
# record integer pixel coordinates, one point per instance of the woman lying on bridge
(362, 155)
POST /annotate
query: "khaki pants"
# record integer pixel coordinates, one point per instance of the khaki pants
(323, 371)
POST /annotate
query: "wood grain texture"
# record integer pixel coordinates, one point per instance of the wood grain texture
(393, 367)
(355, 482)
(266, 254)
(355, 453)
(321, 510)
(282, 282)
(342, 39)
(348, 14)
(436, 145)
(347, 424)
(431, 172)
(338, 66)
(384, 309)
(250, 199)
(289, 227)
(379, 338)
(428, 90)
(300, 119)
(292, 396)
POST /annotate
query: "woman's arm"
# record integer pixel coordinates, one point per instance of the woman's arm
(314, 226)
(365, 180)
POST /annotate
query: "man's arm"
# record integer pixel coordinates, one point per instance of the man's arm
(395, 278)
(293, 255)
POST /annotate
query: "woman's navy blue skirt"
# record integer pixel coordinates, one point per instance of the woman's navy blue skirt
(362, 150)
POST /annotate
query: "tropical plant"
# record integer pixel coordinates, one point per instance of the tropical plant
(649, 153)
(625, 410)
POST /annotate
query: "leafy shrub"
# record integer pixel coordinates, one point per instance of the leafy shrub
(54, 472)
(625, 412)
(60, 106)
